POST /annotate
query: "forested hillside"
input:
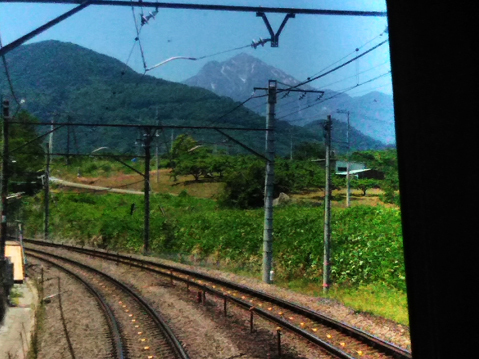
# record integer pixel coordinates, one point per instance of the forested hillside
(64, 82)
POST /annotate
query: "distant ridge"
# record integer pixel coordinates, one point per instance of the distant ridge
(371, 114)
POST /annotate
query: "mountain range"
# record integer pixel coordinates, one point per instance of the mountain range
(371, 114)
(65, 82)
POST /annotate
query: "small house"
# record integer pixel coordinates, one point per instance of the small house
(366, 173)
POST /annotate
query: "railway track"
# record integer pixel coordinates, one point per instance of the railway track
(337, 338)
(137, 330)
(117, 345)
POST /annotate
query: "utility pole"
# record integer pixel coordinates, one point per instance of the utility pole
(3, 236)
(148, 137)
(269, 185)
(157, 164)
(348, 179)
(68, 142)
(156, 152)
(51, 135)
(348, 166)
(47, 195)
(327, 210)
(291, 146)
(269, 180)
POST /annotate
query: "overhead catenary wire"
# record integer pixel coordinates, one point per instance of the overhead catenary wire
(360, 73)
(138, 30)
(370, 89)
(281, 105)
(337, 67)
(331, 97)
(349, 54)
(223, 52)
(235, 108)
(197, 58)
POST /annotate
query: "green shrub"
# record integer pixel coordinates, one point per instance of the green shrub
(366, 241)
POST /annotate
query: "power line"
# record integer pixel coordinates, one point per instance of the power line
(143, 126)
(335, 95)
(333, 83)
(338, 67)
(370, 89)
(60, 154)
(138, 30)
(223, 52)
(235, 108)
(346, 56)
(362, 72)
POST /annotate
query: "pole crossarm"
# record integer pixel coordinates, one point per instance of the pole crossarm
(158, 127)
(243, 145)
(255, 9)
(289, 90)
(85, 155)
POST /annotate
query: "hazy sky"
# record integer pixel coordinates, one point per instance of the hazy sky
(307, 45)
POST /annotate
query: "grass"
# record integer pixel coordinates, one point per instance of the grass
(376, 299)
(15, 295)
(39, 326)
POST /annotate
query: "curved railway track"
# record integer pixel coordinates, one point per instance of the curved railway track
(117, 350)
(337, 338)
(143, 330)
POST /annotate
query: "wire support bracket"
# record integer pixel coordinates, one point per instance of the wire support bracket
(275, 36)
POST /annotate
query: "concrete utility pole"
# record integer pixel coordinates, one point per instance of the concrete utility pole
(291, 146)
(348, 166)
(327, 210)
(3, 236)
(157, 164)
(156, 151)
(50, 140)
(148, 137)
(269, 185)
(68, 143)
(47, 195)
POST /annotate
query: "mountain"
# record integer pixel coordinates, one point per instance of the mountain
(371, 114)
(66, 82)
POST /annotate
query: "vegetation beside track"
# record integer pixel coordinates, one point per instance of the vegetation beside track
(367, 243)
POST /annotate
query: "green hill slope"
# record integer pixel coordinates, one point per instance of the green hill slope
(66, 82)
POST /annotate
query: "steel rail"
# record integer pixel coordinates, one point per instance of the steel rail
(281, 322)
(110, 317)
(367, 338)
(160, 322)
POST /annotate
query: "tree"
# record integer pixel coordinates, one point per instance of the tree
(364, 184)
(183, 145)
(309, 151)
(244, 186)
(26, 162)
